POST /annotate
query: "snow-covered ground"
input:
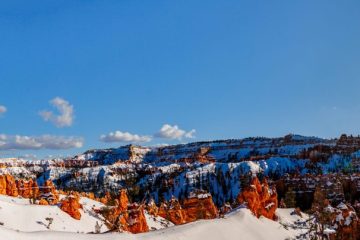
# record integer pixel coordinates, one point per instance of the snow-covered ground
(22, 221)
(19, 215)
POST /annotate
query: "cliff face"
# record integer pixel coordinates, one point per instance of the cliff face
(260, 198)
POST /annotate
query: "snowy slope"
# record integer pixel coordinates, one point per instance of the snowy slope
(240, 224)
(19, 214)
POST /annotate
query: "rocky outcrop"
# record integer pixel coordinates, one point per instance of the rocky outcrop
(71, 206)
(45, 195)
(151, 208)
(11, 189)
(27, 189)
(136, 221)
(200, 206)
(125, 216)
(105, 199)
(49, 193)
(260, 198)
(24, 188)
(173, 211)
(43, 202)
(2, 185)
(122, 201)
(341, 221)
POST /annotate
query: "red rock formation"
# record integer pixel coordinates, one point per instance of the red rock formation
(197, 206)
(106, 198)
(11, 189)
(49, 193)
(2, 184)
(260, 198)
(124, 216)
(151, 208)
(8, 185)
(136, 221)
(43, 202)
(122, 201)
(173, 211)
(27, 189)
(200, 206)
(90, 195)
(347, 222)
(71, 206)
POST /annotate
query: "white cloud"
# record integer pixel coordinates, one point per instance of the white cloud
(119, 136)
(3, 109)
(174, 132)
(18, 142)
(65, 116)
(28, 156)
(161, 145)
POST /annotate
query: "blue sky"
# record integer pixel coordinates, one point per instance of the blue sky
(227, 69)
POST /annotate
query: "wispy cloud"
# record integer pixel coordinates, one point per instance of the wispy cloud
(3, 109)
(119, 136)
(174, 132)
(28, 156)
(65, 116)
(18, 142)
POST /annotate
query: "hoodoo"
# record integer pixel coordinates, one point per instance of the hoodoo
(125, 216)
(71, 206)
(200, 206)
(260, 198)
(173, 211)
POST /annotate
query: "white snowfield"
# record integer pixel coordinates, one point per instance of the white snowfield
(22, 221)
(19, 215)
